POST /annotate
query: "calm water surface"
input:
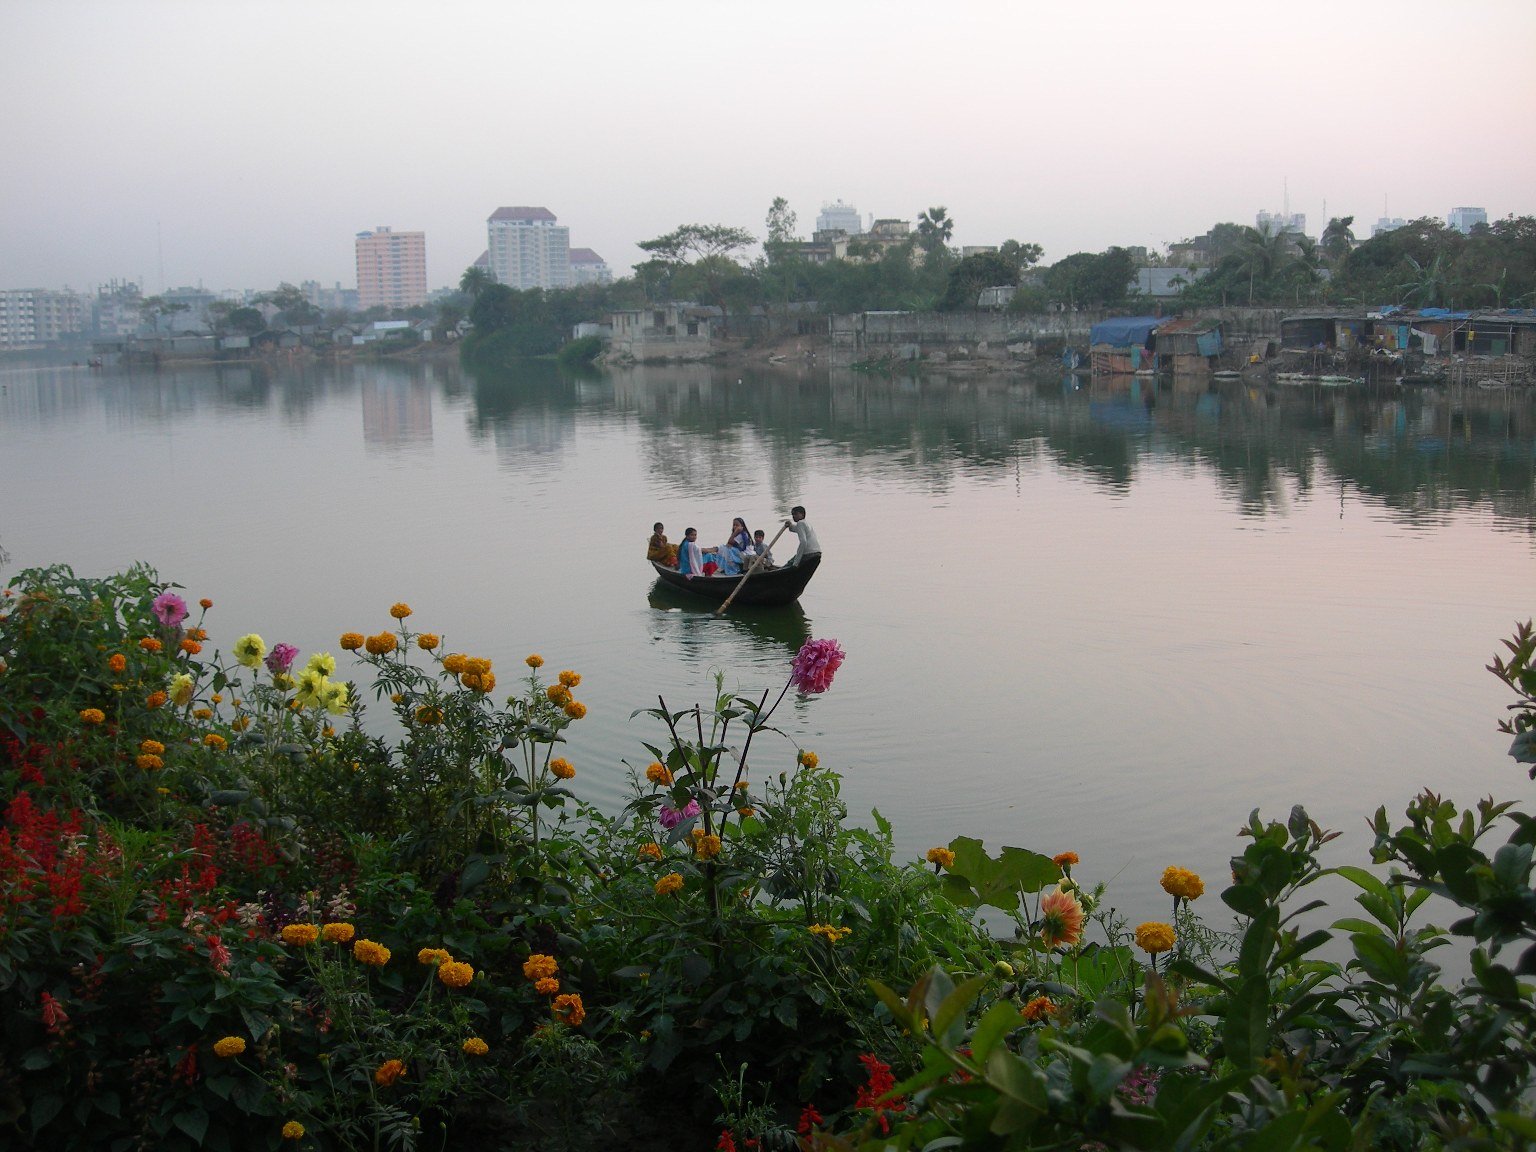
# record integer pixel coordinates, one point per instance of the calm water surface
(1110, 618)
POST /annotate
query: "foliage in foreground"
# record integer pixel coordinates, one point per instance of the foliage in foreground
(234, 917)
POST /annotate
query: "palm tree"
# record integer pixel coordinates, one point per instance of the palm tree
(1263, 254)
(1338, 240)
(476, 279)
(934, 228)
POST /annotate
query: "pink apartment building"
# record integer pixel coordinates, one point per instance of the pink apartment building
(391, 269)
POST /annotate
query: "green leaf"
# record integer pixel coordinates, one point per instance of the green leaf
(1244, 899)
(949, 1020)
(998, 1020)
(194, 1122)
(1245, 1031)
(44, 1109)
(1380, 959)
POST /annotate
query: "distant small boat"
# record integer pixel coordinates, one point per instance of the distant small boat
(1226, 374)
(772, 586)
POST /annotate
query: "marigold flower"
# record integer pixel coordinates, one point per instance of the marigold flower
(117, 662)
(558, 694)
(706, 846)
(92, 716)
(229, 1046)
(433, 956)
(1038, 1009)
(427, 641)
(1154, 937)
(534, 661)
(455, 973)
(651, 851)
(561, 768)
(205, 603)
(190, 647)
(670, 883)
(249, 650)
(1065, 860)
(942, 857)
(454, 662)
(547, 986)
(400, 611)
(240, 723)
(575, 709)
(657, 774)
(429, 716)
(475, 1046)
(746, 813)
(300, 934)
(150, 644)
(388, 1072)
(369, 952)
(155, 700)
(570, 679)
(351, 641)
(202, 713)
(215, 741)
(808, 759)
(538, 966)
(380, 645)
(815, 665)
(1182, 884)
(478, 665)
(181, 689)
(149, 762)
(293, 1130)
(482, 682)
(831, 932)
(1061, 919)
(568, 1009)
(337, 932)
(217, 698)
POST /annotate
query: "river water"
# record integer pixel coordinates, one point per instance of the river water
(1111, 618)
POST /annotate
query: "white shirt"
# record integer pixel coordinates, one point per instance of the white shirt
(809, 545)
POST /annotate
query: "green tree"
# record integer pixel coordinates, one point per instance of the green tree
(475, 280)
(1090, 279)
(711, 248)
(152, 309)
(970, 275)
(1338, 240)
(293, 307)
(1021, 256)
(934, 229)
(247, 320)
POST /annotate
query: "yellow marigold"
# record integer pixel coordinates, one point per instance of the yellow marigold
(369, 952)
(1038, 1009)
(396, 697)
(557, 693)
(429, 716)
(1182, 884)
(300, 934)
(150, 644)
(479, 665)
(651, 851)
(380, 645)
(293, 1130)
(575, 709)
(92, 716)
(202, 713)
(668, 884)
(1065, 860)
(1154, 937)
(705, 846)
(155, 700)
(538, 966)
(190, 646)
(454, 662)
(240, 723)
(427, 641)
(400, 611)
(433, 956)
(388, 1072)
(153, 746)
(570, 679)
(337, 933)
(534, 661)
(658, 774)
(215, 741)
(568, 1009)
(149, 762)
(217, 698)
(746, 813)
(482, 682)
(351, 641)
(831, 932)
(475, 1046)
(229, 1046)
(562, 768)
(117, 662)
(547, 986)
(808, 759)
(455, 973)
(943, 857)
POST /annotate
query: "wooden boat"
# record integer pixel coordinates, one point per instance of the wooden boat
(766, 587)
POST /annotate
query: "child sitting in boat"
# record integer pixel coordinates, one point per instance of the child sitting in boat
(658, 549)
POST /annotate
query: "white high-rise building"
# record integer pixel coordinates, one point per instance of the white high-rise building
(839, 217)
(528, 249)
(39, 315)
(1277, 222)
(587, 267)
(1463, 219)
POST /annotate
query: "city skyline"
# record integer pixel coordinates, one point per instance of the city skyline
(159, 142)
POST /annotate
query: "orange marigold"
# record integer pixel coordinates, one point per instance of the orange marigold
(570, 679)
(337, 933)
(657, 774)
(454, 662)
(651, 851)
(534, 661)
(557, 693)
(191, 647)
(117, 662)
(215, 741)
(202, 713)
(300, 934)
(547, 986)
(351, 641)
(380, 645)
(149, 762)
(388, 1072)
(229, 1046)
(481, 682)
(941, 857)
(150, 644)
(371, 953)
(400, 611)
(153, 746)
(1182, 884)
(429, 716)
(433, 956)
(568, 1009)
(1065, 860)
(1154, 937)
(155, 699)
(670, 883)
(575, 709)
(539, 965)
(475, 1046)
(479, 665)
(427, 641)
(205, 602)
(92, 716)
(1038, 1009)
(561, 768)
(455, 973)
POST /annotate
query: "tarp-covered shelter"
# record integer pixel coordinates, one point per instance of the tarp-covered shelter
(1124, 345)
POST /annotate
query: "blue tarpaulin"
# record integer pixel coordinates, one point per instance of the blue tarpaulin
(1124, 331)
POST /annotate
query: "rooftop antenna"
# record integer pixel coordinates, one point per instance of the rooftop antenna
(160, 255)
(1286, 199)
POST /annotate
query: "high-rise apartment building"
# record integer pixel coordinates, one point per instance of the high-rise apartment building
(587, 267)
(1275, 223)
(1463, 219)
(528, 249)
(839, 217)
(391, 269)
(30, 316)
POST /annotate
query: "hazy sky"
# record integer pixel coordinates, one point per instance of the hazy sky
(241, 144)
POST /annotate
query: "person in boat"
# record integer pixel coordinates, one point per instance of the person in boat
(736, 552)
(760, 546)
(658, 549)
(690, 557)
(809, 545)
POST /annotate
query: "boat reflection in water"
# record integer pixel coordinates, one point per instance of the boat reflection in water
(769, 633)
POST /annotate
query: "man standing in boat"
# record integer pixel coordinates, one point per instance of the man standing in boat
(809, 545)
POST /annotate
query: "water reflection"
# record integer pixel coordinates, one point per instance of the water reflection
(768, 632)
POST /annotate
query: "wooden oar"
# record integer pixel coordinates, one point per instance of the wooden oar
(751, 568)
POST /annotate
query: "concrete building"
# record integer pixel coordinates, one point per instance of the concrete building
(528, 249)
(1387, 224)
(1463, 219)
(391, 269)
(587, 267)
(1277, 222)
(32, 316)
(839, 217)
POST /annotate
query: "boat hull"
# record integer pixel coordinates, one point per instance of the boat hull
(767, 588)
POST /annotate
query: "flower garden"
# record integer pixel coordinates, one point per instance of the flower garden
(233, 915)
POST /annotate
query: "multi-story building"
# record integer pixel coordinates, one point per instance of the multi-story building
(528, 249)
(839, 217)
(587, 267)
(1387, 224)
(1464, 219)
(1274, 223)
(30, 316)
(115, 311)
(391, 269)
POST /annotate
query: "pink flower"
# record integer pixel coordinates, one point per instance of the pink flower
(815, 665)
(280, 659)
(671, 817)
(1061, 919)
(169, 608)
